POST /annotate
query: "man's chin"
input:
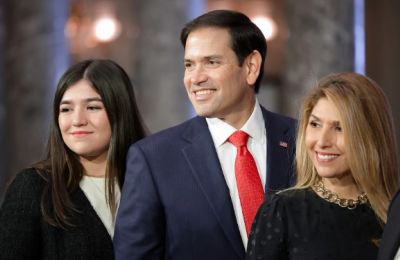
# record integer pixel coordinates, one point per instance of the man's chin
(203, 113)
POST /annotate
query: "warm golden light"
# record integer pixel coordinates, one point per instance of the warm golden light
(266, 25)
(106, 29)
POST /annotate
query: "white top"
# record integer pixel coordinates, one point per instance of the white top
(256, 144)
(95, 191)
(397, 256)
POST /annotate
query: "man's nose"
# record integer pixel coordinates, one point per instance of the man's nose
(198, 75)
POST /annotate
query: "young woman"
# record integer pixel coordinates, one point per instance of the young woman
(346, 175)
(64, 207)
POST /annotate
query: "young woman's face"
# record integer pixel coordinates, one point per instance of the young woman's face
(83, 121)
(325, 141)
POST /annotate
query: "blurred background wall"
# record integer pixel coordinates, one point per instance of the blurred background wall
(307, 39)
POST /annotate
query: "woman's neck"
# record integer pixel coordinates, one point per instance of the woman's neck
(95, 167)
(345, 188)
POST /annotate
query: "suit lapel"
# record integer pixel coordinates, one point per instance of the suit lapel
(278, 146)
(202, 158)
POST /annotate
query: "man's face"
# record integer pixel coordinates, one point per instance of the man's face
(216, 85)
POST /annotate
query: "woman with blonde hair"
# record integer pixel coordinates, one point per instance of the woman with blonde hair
(346, 175)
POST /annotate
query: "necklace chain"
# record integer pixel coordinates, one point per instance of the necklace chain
(333, 197)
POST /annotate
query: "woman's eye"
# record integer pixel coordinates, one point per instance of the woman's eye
(313, 124)
(64, 109)
(93, 107)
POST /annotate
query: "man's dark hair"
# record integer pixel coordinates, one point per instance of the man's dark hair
(245, 35)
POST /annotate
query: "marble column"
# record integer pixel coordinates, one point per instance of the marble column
(159, 63)
(35, 56)
(320, 42)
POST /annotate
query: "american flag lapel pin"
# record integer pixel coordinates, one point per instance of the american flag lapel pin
(283, 144)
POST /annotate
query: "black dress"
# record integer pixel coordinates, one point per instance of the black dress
(298, 224)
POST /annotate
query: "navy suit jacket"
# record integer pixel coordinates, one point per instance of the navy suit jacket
(175, 202)
(391, 234)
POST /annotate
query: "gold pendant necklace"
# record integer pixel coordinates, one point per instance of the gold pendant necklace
(332, 197)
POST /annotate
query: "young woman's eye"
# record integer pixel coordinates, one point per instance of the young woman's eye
(94, 107)
(64, 109)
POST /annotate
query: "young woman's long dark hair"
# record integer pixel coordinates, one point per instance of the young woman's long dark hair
(62, 169)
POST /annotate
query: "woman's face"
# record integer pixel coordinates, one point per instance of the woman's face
(325, 141)
(83, 121)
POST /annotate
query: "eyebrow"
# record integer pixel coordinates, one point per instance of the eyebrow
(209, 57)
(87, 100)
(335, 123)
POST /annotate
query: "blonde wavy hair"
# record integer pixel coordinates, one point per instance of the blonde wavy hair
(368, 129)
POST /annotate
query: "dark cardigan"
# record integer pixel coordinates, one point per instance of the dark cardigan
(24, 234)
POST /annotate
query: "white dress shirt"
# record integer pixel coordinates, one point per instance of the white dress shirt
(220, 132)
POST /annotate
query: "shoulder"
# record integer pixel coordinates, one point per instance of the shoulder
(282, 207)
(27, 185)
(27, 179)
(293, 194)
(24, 193)
(173, 135)
(396, 197)
(287, 198)
(280, 125)
(275, 117)
(395, 202)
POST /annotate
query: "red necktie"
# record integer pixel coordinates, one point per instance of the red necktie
(248, 181)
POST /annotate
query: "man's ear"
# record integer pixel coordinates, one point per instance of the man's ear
(253, 65)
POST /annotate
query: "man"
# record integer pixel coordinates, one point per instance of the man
(390, 244)
(183, 194)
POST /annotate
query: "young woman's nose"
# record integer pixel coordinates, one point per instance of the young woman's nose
(79, 117)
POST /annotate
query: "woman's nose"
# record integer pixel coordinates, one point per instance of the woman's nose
(79, 118)
(325, 138)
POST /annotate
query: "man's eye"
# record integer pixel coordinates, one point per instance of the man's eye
(213, 62)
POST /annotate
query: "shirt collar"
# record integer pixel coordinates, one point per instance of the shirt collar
(254, 127)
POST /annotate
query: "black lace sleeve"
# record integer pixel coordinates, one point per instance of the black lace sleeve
(267, 239)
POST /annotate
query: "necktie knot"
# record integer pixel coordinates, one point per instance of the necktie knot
(239, 138)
